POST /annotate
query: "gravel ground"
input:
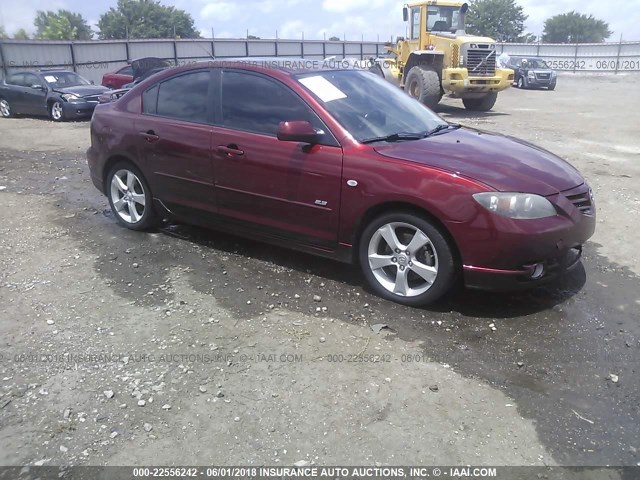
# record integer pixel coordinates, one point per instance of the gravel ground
(185, 346)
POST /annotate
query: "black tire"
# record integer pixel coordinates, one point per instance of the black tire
(423, 84)
(56, 111)
(443, 259)
(5, 108)
(552, 86)
(148, 217)
(483, 104)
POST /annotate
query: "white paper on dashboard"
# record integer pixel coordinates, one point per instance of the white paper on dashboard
(323, 88)
(50, 79)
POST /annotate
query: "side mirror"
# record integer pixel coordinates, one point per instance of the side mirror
(298, 131)
(405, 14)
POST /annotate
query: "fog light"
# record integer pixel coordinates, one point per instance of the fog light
(538, 271)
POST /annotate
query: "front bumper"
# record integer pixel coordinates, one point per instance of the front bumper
(499, 253)
(78, 109)
(458, 81)
(540, 82)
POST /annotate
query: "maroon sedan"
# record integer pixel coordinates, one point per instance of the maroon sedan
(342, 164)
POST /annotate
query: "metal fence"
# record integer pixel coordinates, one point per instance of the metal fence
(92, 59)
(582, 57)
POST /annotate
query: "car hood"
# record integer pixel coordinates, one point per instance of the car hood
(503, 163)
(83, 90)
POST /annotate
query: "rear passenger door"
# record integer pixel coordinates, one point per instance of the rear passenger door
(14, 92)
(174, 140)
(285, 188)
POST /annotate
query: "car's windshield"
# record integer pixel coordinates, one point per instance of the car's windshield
(368, 106)
(64, 79)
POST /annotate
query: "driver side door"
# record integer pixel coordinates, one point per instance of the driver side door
(34, 99)
(284, 188)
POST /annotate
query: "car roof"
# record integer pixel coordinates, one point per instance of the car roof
(288, 65)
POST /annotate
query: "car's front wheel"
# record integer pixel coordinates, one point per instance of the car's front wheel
(405, 258)
(56, 112)
(130, 197)
(5, 108)
(522, 83)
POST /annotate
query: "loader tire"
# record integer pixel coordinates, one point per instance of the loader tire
(483, 104)
(423, 84)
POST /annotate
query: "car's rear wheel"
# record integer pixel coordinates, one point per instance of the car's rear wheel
(405, 258)
(56, 112)
(5, 108)
(130, 197)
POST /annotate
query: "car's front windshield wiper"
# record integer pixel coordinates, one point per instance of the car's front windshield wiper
(395, 137)
(440, 128)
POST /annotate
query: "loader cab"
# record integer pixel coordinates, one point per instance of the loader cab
(444, 18)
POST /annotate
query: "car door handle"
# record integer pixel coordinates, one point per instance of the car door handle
(231, 150)
(150, 136)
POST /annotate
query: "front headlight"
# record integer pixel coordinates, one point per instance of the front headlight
(69, 97)
(520, 206)
(531, 75)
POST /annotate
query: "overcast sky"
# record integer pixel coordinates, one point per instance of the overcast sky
(371, 18)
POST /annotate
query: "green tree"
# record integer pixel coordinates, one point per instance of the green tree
(502, 20)
(252, 37)
(146, 19)
(61, 25)
(334, 39)
(573, 27)
(21, 35)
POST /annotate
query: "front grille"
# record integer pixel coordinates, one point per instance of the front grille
(91, 98)
(583, 201)
(543, 76)
(481, 62)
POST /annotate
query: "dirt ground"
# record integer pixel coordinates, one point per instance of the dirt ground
(184, 346)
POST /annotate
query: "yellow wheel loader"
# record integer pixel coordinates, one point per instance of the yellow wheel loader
(440, 58)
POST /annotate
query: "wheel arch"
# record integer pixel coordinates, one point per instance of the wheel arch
(113, 160)
(404, 207)
(428, 58)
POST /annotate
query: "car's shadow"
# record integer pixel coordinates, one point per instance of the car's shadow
(461, 112)
(472, 303)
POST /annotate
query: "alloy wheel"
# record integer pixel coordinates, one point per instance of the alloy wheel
(403, 259)
(5, 108)
(56, 111)
(128, 196)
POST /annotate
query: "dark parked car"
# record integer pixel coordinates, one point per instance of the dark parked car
(342, 164)
(532, 72)
(60, 94)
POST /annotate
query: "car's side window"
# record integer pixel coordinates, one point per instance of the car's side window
(185, 97)
(128, 70)
(30, 79)
(150, 100)
(257, 104)
(16, 79)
